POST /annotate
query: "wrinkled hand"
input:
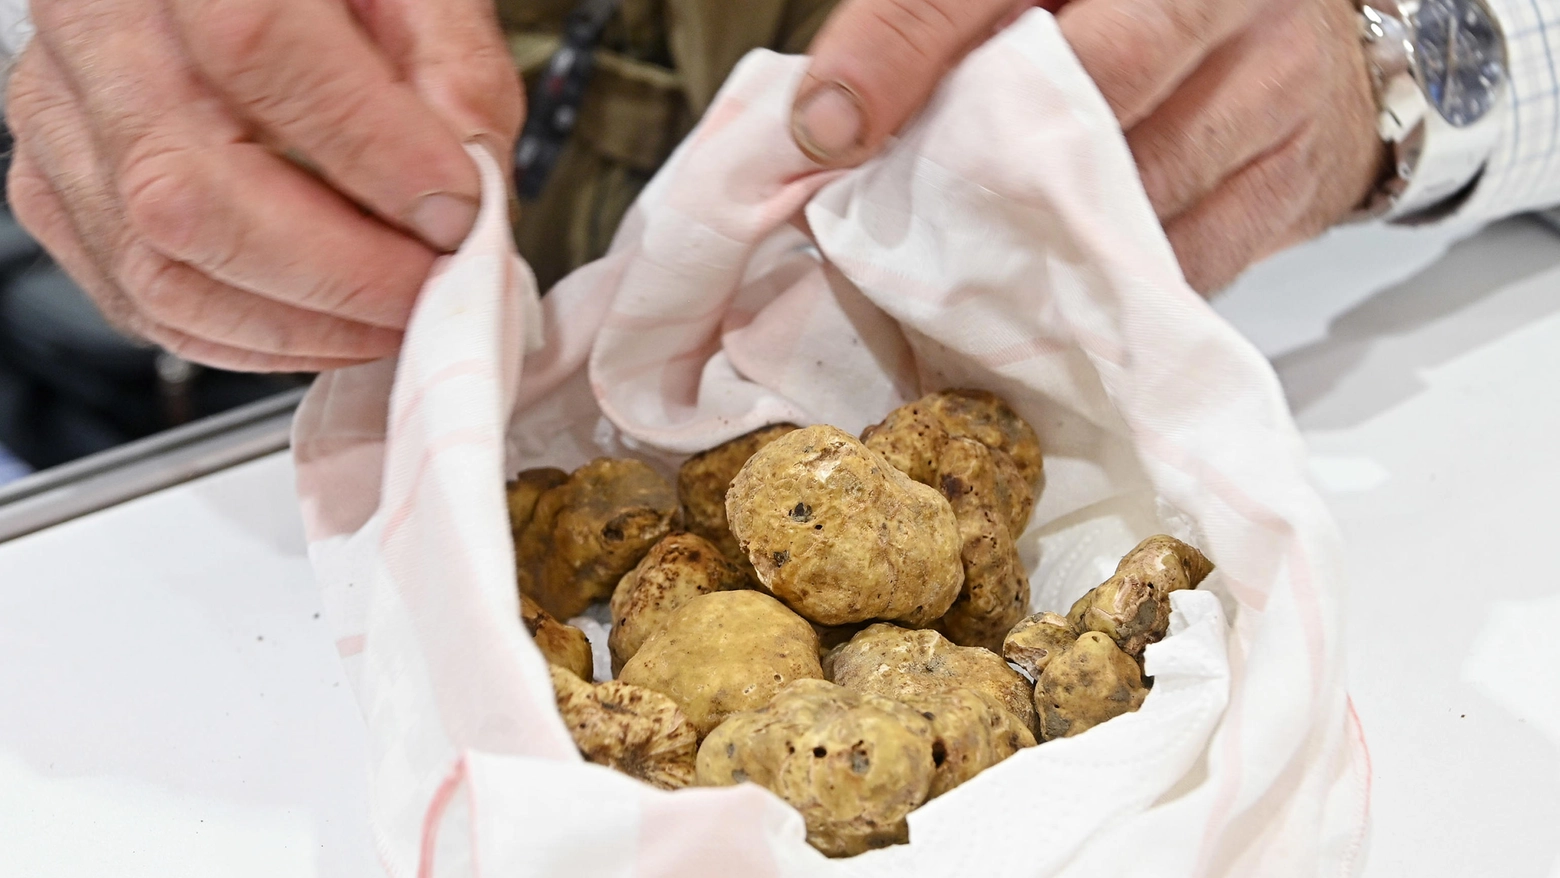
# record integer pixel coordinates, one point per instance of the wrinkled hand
(1251, 121)
(150, 136)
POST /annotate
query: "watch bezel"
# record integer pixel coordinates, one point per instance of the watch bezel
(1423, 142)
(1409, 9)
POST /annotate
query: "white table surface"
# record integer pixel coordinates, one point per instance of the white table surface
(171, 705)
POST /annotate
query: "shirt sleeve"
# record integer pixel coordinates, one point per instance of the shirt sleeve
(1523, 172)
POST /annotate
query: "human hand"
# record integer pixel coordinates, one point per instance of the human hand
(150, 136)
(1251, 121)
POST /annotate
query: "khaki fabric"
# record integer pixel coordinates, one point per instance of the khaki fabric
(659, 64)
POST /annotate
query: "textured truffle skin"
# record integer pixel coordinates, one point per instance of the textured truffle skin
(562, 645)
(587, 532)
(970, 733)
(912, 438)
(995, 595)
(1133, 606)
(1036, 640)
(1090, 682)
(629, 728)
(676, 570)
(854, 765)
(523, 492)
(972, 447)
(910, 664)
(725, 652)
(989, 420)
(841, 536)
(703, 481)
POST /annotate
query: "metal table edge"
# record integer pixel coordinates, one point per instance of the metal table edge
(96, 482)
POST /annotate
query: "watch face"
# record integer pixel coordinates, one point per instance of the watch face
(1462, 57)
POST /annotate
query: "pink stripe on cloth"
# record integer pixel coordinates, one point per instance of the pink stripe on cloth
(338, 448)
(401, 514)
(435, 817)
(1366, 777)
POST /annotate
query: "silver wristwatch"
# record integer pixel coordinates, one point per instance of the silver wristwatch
(1439, 72)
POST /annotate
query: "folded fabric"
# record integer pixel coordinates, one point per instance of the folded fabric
(1004, 242)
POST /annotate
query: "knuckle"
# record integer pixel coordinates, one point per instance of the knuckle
(157, 286)
(1295, 68)
(164, 196)
(1178, 162)
(1133, 49)
(236, 40)
(1124, 64)
(1132, 72)
(1156, 180)
(490, 85)
(344, 125)
(1164, 170)
(1208, 265)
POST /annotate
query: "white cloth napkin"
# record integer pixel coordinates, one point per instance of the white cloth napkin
(1003, 241)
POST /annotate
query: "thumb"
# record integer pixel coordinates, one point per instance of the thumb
(876, 62)
(454, 54)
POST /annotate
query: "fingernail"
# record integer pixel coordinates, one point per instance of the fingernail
(492, 143)
(828, 124)
(443, 219)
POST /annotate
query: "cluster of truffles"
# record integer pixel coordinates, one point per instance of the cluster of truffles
(836, 619)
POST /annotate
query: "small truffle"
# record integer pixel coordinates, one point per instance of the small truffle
(1036, 640)
(587, 532)
(1090, 682)
(523, 492)
(636, 731)
(989, 420)
(562, 645)
(912, 438)
(854, 765)
(1133, 606)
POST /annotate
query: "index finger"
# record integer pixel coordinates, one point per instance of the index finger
(875, 64)
(306, 73)
(1139, 51)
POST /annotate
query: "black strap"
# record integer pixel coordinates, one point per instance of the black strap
(555, 104)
